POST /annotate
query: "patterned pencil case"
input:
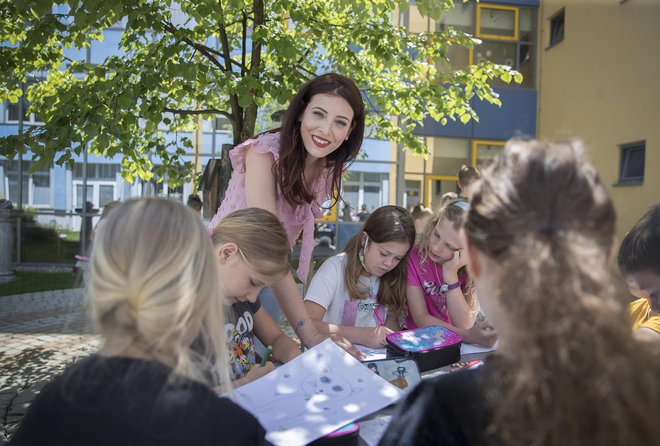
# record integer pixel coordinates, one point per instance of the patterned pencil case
(431, 347)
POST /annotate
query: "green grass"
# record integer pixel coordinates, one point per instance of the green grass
(29, 282)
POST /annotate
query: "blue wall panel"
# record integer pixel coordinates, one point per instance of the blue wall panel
(516, 117)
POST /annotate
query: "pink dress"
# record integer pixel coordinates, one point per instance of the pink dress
(295, 219)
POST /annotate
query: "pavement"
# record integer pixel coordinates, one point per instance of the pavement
(40, 335)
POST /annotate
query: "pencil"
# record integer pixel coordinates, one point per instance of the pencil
(266, 356)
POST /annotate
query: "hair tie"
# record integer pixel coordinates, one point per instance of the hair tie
(462, 204)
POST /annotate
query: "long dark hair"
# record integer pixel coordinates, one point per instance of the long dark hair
(292, 153)
(541, 213)
(385, 224)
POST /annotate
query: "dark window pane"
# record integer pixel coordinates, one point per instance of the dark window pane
(557, 28)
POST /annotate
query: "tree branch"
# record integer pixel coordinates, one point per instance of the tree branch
(208, 111)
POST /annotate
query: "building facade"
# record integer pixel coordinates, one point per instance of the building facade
(597, 74)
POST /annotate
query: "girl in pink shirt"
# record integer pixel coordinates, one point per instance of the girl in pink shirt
(439, 291)
(293, 170)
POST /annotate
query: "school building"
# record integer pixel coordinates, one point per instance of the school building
(587, 68)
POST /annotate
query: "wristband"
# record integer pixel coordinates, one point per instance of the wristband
(448, 287)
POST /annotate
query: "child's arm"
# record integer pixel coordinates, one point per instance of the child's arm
(373, 337)
(462, 309)
(269, 333)
(480, 334)
(392, 321)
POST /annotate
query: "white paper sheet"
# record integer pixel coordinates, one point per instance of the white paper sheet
(371, 431)
(316, 393)
(466, 349)
(371, 353)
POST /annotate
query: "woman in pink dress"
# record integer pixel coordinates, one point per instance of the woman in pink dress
(291, 171)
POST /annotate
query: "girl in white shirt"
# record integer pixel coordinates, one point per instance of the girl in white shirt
(359, 294)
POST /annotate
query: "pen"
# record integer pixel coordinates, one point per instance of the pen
(266, 356)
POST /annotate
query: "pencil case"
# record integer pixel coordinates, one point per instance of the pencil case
(344, 436)
(431, 347)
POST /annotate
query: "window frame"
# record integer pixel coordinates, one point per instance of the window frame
(552, 38)
(486, 142)
(516, 25)
(625, 151)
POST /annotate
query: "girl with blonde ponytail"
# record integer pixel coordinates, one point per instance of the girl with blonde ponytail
(567, 371)
(154, 292)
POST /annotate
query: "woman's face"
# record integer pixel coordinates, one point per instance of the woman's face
(381, 258)
(325, 124)
(444, 241)
(238, 280)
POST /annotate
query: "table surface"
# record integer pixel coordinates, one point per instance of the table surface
(425, 375)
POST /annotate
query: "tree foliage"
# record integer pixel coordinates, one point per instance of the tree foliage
(177, 61)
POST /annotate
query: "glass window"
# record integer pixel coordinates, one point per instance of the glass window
(486, 153)
(461, 18)
(106, 194)
(437, 187)
(449, 154)
(79, 195)
(13, 109)
(631, 165)
(41, 185)
(35, 185)
(557, 28)
(497, 22)
(413, 194)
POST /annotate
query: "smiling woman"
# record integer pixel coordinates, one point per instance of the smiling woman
(292, 170)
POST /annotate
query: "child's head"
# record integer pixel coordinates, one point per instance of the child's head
(252, 251)
(154, 286)
(312, 103)
(440, 238)
(380, 249)
(639, 257)
(466, 176)
(195, 203)
(421, 215)
(539, 233)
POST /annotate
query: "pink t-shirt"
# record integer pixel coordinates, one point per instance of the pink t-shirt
(428, 277)
(295, 219)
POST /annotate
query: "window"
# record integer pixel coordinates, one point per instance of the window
(36, 185)
(497, 22)
(13, 111)
(557, 28)
(631, 164)
(484, 152)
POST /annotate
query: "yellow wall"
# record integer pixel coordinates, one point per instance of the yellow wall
(600, 84)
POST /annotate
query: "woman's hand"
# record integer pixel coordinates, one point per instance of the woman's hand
(481, 333)
(346, 345)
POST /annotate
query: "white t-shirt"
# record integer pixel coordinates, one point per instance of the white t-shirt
(328, 290)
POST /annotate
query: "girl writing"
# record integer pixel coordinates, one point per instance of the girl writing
(291, 171)
(439, 291)
(359, 293)
(568, 370)
(152, 293)
(252, 251)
